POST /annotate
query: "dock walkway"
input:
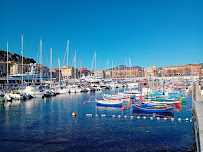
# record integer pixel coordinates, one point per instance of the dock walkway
(198, 106)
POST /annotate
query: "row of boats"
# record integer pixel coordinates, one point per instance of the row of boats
(147, 100)
(28, 92)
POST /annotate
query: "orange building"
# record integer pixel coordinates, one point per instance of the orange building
(182, 70)
(126, 73)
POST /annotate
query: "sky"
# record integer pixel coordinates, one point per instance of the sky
(161, 32)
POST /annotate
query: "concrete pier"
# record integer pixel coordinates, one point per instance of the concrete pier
(198, 116)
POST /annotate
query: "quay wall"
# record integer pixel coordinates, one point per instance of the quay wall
(198, 115)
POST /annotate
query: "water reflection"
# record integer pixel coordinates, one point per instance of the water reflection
(149, 114)
(108, 108)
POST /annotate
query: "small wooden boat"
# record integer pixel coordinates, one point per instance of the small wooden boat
(153, 108)
(110, 103)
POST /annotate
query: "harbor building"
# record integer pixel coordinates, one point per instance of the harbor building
(3, 68)
(127, 73)
(98, 73)
(184, 70)
(65, 73)
(84, 72)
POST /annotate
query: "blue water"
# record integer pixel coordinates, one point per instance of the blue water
(47, 125)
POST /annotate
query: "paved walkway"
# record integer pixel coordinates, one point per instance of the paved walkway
(198, 105)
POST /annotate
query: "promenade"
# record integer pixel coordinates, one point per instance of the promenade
(198, 106)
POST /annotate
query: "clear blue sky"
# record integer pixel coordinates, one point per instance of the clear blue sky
(161, 32)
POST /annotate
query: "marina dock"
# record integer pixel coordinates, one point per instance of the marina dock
(198, 106)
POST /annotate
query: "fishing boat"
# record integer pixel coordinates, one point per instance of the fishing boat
(109, 103)
(120, 97)
(153, 108)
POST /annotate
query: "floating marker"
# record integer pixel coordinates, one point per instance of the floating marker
(119, 116)
(88, 115)
(158, 118)
(138, 117)
(96, 115)
(123, 108)
(172, 119)
(113, 116)
(84, 103)
(190, 120)
(165, 118)
(131, 117)
(74, 114)
(179, 119)
(125, 116)
(151, 118)
(187, 119)
(103, 115)
(144, 117)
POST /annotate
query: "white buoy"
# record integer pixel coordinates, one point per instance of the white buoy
(151, 118)
(179, 119)
(119, 116)
(125, 116)
(190, 120)
(88, 115)
(158, 118)
(165, 118)
(113, 116)
(138, 117)
(172, 119)
(144, 117)
(96, 115)
(103, 115)
(131, 117)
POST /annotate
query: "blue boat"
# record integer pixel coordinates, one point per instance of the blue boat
(110, 103)
(153, 108)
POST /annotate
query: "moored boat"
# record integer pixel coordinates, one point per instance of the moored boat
(153, 108)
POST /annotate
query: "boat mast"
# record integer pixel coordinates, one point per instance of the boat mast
(112, 70)
(130, 67)
(59, 72)
(74, 67)
(22, 59)
(125, 69)
(40, 62)
(67, 49)
(95, 61)
(80, 66)
(7, 62)
(51, 64)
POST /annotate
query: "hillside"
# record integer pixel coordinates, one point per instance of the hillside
(14, 58)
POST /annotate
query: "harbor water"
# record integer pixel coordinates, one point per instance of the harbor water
(47, 125)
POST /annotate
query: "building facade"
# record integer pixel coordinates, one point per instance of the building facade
(194, 69)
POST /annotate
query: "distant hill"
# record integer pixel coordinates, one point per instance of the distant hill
(14, 58)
